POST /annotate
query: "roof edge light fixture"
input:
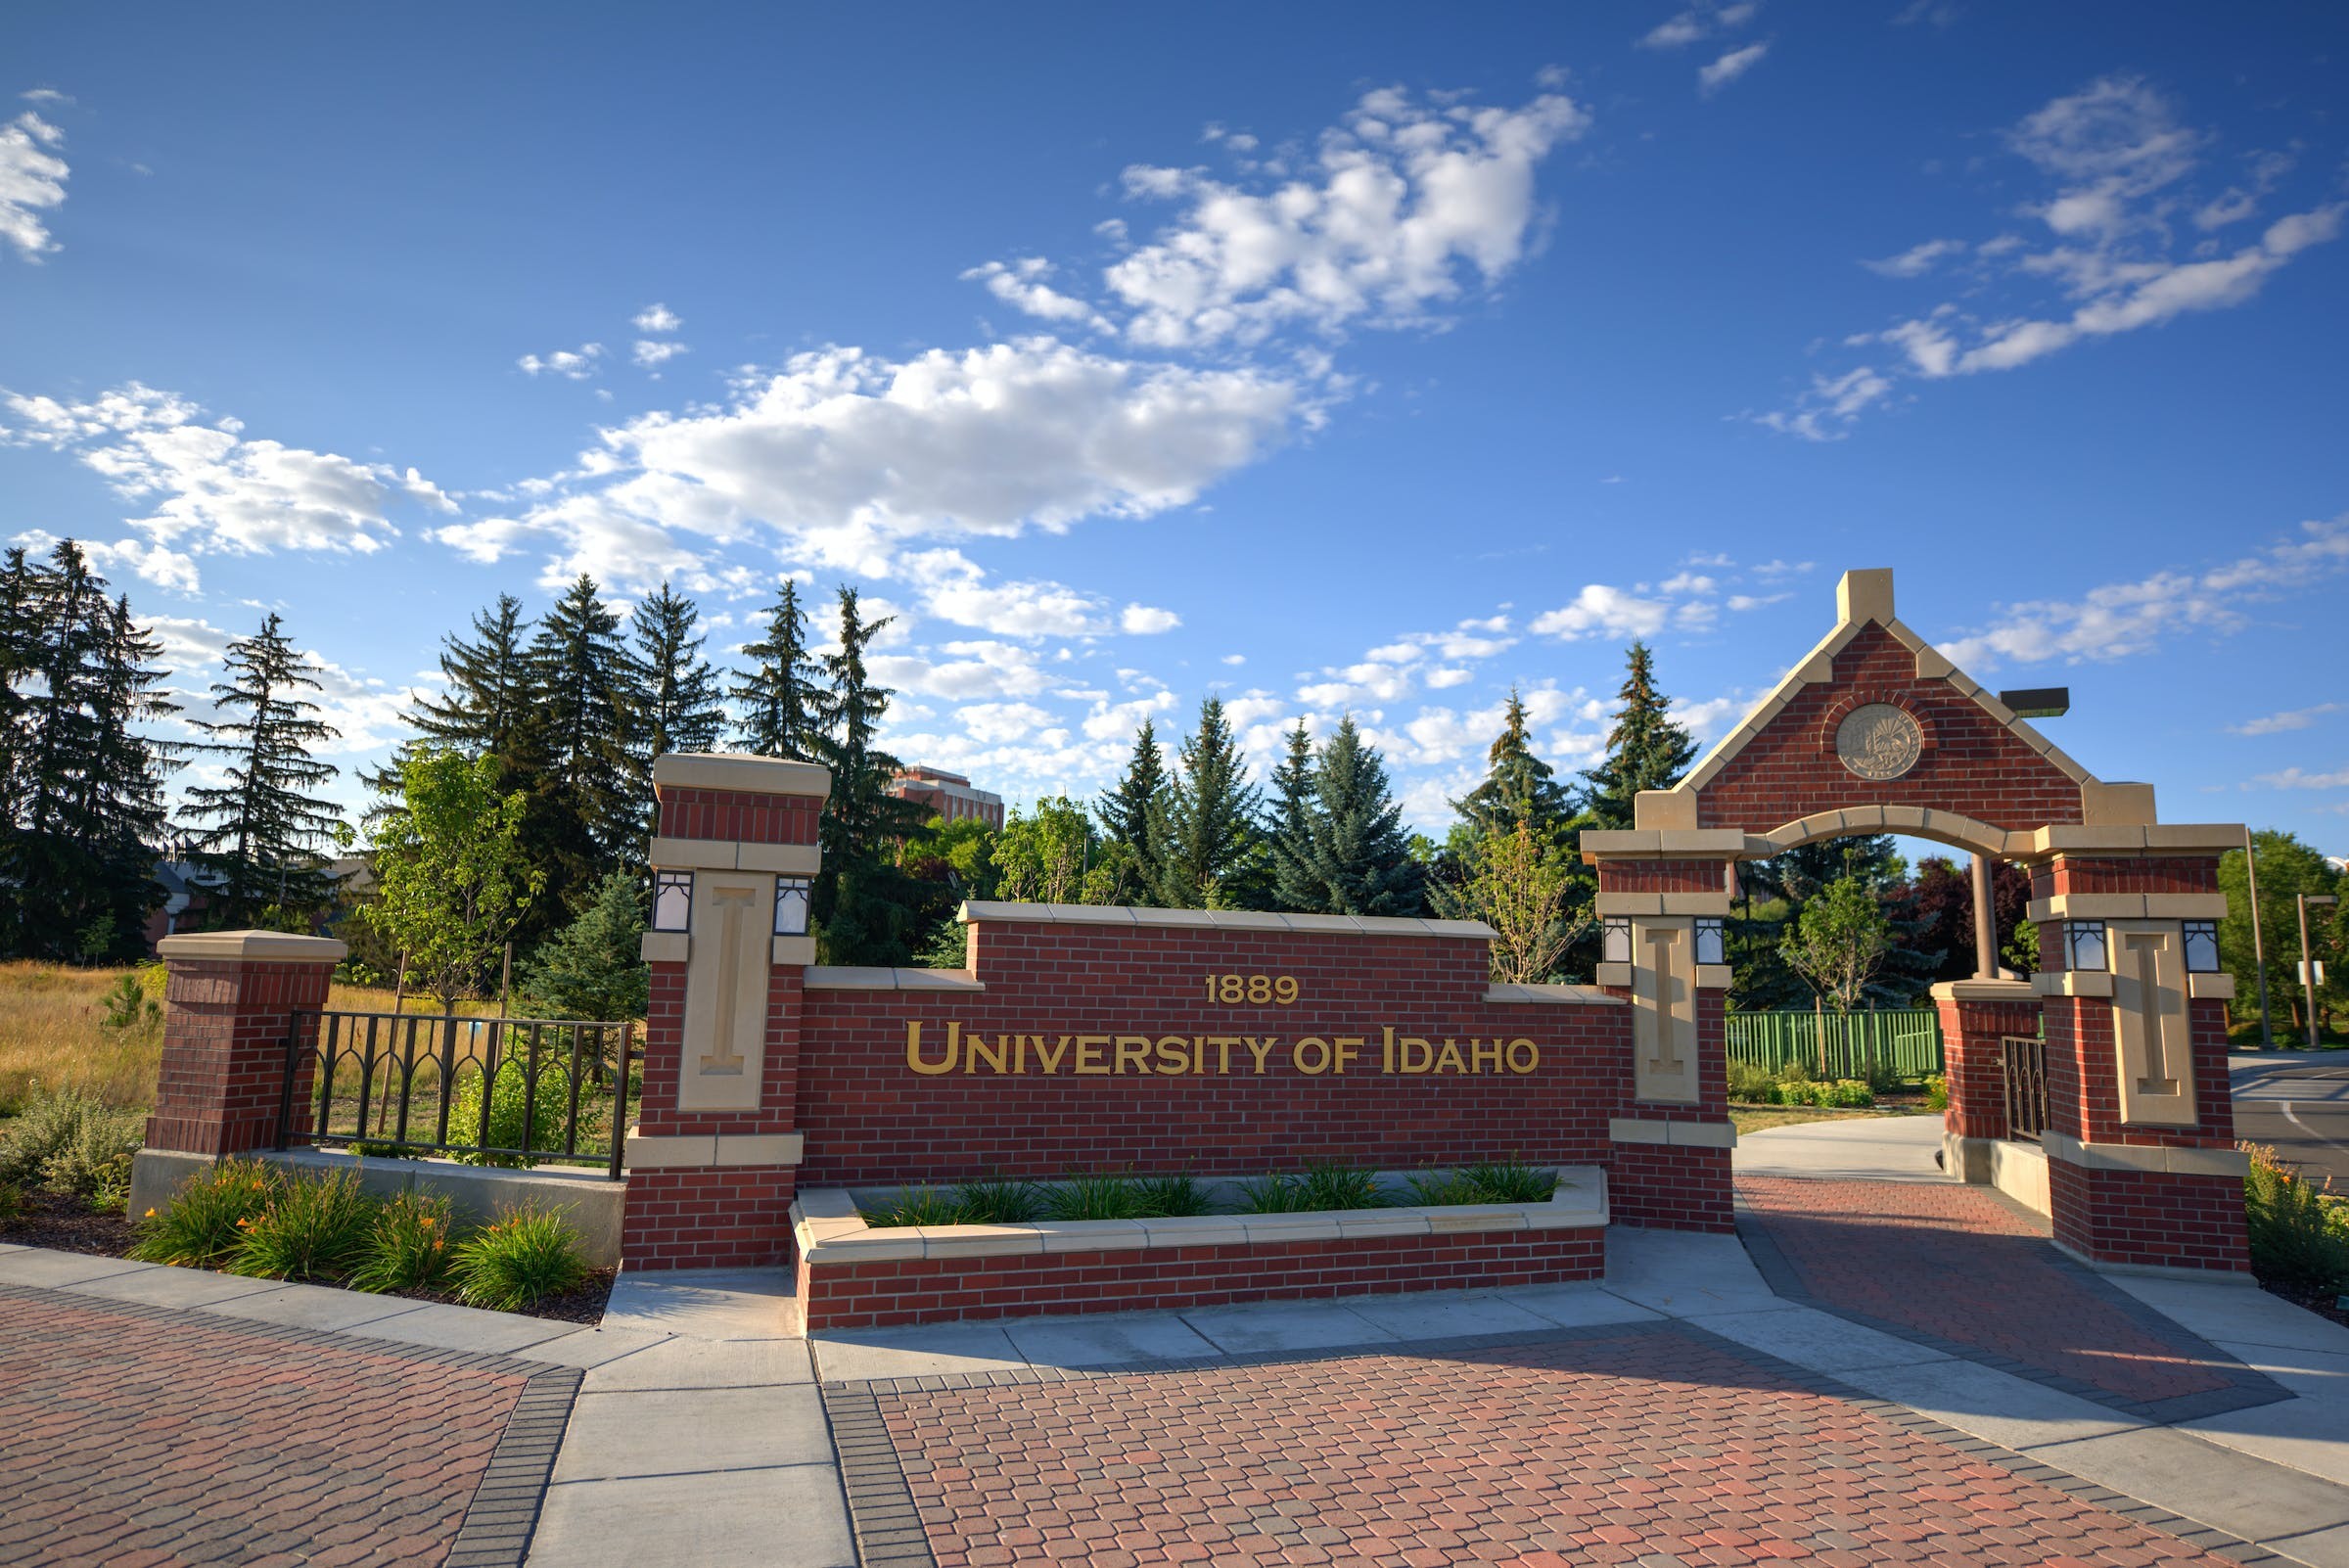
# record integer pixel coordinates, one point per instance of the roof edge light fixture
(2039, 702)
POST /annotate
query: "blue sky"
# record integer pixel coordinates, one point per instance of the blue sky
(1334, 358)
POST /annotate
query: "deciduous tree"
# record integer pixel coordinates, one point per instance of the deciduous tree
(451, 877)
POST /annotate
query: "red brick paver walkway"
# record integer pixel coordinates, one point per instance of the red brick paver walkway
(138, 1438)
(1595, 1447)
(1957, 1264)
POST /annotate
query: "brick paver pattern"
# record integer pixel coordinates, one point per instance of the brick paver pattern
(1954, 1262)
(1658, 1445)
(215, 1442)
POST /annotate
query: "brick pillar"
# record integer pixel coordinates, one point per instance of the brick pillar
(2142, 1169)
(714, 1157)
(1975, 1016)
(228, 1006)
(1665, 893)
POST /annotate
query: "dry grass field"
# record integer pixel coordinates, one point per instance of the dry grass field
(52, 1031)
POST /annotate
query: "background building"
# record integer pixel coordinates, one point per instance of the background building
(948, 795)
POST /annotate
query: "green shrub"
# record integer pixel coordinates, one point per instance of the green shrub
(49, 1120)
(412, 1246)
(94, 1163)
(1316, 1189)
(996, 1202)
(1847, 1093)
(127, 1008)
(11, 1201)
(916, 1206)
(1094, 1197)
(1751, 1084)
(205, 1224)
(314, 1228)
(1937, 1092)
(1169, 1197)
(519, 1259)
(2299, 1232)
(507, 1103)
(1802, 1091)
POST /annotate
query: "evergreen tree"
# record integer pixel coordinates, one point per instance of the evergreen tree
(1360, 856)
(1645, 748)
(864, 909)
(1210, 854)
(1134, 808)
(1297, 883)
(780, 695)
(1518, 785)
(262, 856)
(593, 967)
(579, 684)
(486, 700)
(83, 785)
(678, 706)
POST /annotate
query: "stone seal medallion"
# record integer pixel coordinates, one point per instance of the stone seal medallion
(1878, 741)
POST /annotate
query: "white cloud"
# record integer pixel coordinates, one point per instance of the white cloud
(571, 364)
(1917, 259)
(649, 351)
(1002, 722)
(1403, 199)
(1601, 610)
(954, 588)
(2294, 778)
(1021, 285)
(150, 562)
(846, 457)
(2117, 620)
(2291, 718)
(1698, 23)
(1144, 621)
(656, 318)
(2117, 165)
(1729, 67)
(207, 488)
(1235, 658)
(33, 180)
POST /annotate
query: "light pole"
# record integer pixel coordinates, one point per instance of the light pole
(2308, 961)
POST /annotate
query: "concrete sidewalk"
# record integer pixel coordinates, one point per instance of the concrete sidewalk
(1873, 1148)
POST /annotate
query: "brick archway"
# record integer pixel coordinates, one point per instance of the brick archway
(1875, 732)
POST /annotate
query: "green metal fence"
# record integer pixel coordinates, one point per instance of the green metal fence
(1906, 1040)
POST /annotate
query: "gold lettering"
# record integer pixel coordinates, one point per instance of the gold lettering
(1135, 1048)
(974, 1047)
(913, 1048)
(1088, 1054)
(1019, 1054)
(1348, 1047)
(1447, 1060)
(1386, 1049)
(1533, 1056)
(1320, 1056)
(1480, 1052)
(1223, 1044)
(1173, 1056)
(1258, 1051)
(1051, 1058)
(1421, 1059)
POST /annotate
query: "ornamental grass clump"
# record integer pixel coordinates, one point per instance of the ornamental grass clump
(313, 1227)
(412, 1246)
(1316, 1189)
(1170, 1198)
(999, 1202)
(1105, 1196)
(205, 1224)
(519, 1260)
(915, 1206)
(2299, 1231)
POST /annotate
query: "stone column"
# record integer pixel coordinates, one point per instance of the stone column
(2141, 1163)
(1975, 1016)
(713, 1160)
(1665, 893)
(229, 1009)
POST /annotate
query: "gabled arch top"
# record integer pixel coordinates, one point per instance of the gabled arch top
(1874, 719)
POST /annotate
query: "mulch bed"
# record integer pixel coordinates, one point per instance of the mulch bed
(66, 1224)
(2324, 1303)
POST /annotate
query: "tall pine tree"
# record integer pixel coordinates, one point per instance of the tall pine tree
(1210, 854)
(679, 706)
(864, 909)
(263, 853)
(1518, 785)
(781, 695)
(1289, 846)
(1645, 748)
(487, 693)
(581, 681)
(1360, 856)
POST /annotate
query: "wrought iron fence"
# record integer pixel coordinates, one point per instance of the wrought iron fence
(2023, 1060)
(511, 1092)
(1905, 1041)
